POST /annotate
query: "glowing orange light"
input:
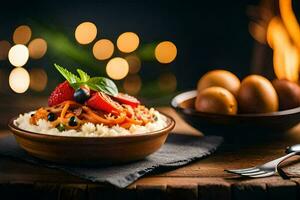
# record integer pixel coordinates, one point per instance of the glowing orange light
(38, 79)
(4, 48)
(286, 63)
(19, 80)
(22, 34)
(117, 68)
(276, 33)
(290, 21)
(103, 49)
(37, 48)
(128, 42)
(167, 82)
(134, 64)
(85, 32)
(286, 55)
(132, 84)
(165, 52)
(258, 32)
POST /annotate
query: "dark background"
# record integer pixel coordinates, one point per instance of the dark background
(208, 34)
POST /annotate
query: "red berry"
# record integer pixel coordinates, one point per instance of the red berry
(61, 93)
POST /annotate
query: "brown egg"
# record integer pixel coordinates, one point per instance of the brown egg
(219, 78)
(288, 94)
(257, 95)
(216, 100)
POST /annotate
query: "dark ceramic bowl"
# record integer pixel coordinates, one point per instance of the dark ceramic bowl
(219, 124)
(91, 150)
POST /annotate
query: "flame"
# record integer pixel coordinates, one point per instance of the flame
(286, 63)
(290, 21)
(277, 36)
(283, 36)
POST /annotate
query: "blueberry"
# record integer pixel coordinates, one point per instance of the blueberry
(73, 121)
(60, 127)
(81, 95)
(51, 117)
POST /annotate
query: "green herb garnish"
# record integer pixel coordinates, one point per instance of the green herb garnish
(101, 84)
(60, 127)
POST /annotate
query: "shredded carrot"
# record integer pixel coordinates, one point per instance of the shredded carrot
(97, 118)
(65, 110)
(134, 121)
(120, 119)
(126, 125)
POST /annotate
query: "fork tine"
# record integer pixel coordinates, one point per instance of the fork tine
(253, 173)
(252, 169)
(240, 170)
(262, 175)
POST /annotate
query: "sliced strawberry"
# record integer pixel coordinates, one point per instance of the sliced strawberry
(61, 93)
(101, 101)
(127, 99)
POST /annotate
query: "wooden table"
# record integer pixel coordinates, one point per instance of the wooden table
(204, 179)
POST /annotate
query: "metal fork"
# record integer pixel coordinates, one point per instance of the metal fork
(267, 169)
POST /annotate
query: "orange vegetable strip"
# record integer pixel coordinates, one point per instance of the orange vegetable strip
(68, 115)
(119, 119)
(126, 125)
(133, 121)
(55, 123)
(89, 118)
(96, 117)
(64, 110)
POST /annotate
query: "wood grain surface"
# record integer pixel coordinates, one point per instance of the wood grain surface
(204, 179)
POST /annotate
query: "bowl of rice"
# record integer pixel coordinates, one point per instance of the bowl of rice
(92, 143)
(87, 120)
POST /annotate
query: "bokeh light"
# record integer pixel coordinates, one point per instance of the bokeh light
(258, 32)
(4, 48)
(290, 20)
(165, 52)
(38, 79)
(132, 84)
(117, 68)
(276, 33)
(37, 48)
(134, 63)
(18, 55)
(128, 42)
(167, 82)
(19, 80)
(103, 49)
(85, 32)
(22, 34)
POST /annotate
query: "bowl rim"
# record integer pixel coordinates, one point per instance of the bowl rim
(185, 95)
(34, 135)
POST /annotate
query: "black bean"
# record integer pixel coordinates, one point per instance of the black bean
(51, 117)
(73, 121)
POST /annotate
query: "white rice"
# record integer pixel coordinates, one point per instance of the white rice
(90, 129)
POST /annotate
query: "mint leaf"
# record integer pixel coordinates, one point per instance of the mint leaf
(103, 84)
(70, 77)
(96, 83)
(83, 75)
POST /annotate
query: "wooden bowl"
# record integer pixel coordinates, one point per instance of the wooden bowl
(239, 124)
(91, 150)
